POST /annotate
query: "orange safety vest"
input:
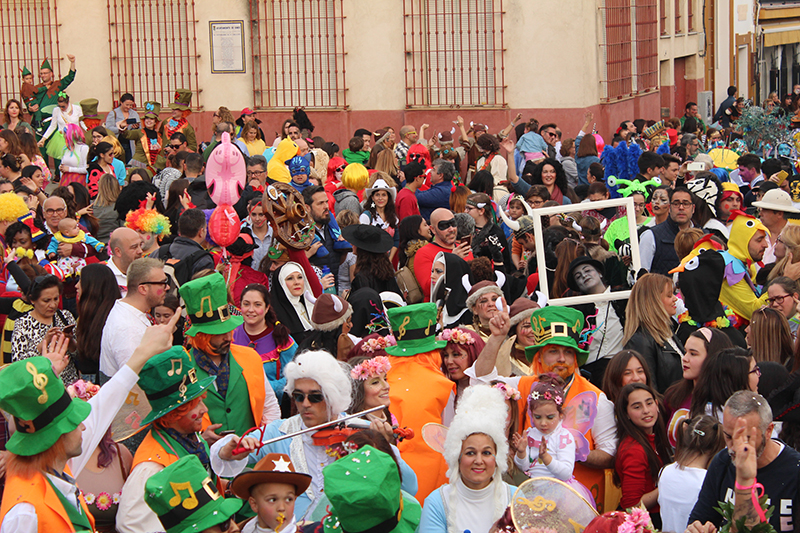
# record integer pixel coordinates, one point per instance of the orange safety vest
(419, 393)
(253, 373)
(592, 478)
(50, 513)
(150, 450)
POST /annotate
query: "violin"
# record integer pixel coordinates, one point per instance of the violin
(337, 435)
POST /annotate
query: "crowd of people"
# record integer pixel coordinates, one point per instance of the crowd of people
(161, 374)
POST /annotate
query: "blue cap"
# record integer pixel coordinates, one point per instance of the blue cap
(298, 165)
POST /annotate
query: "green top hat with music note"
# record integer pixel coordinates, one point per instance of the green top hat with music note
(41, 407)
(186, 499)
(169, 380)
(207, 306)
(414, 327)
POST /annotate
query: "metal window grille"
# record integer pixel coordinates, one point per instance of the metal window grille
(677, 16)
(454, 53)
(28, 36)
(617, 80)
(646, 45)
(690, 16)
(153, 49)
(662, 7)
(298, 53)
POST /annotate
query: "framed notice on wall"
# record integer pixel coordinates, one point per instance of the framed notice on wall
(227, 46)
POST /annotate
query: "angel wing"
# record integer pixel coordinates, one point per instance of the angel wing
(579, 415)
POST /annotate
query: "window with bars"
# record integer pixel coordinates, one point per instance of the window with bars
(678, 29)
(646, 45)
(153, 49)
(629, 48)
(662, 7)
(454, 53)
(298, 53)
(28, 36)
(690, 16)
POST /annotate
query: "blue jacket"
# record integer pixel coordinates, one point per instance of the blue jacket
(434, 198)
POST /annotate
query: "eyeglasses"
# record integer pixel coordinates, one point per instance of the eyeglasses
(445, 225)
(779, 239)
(313, 397)
(59, 210)
(778, 299)
(681, 205)
(173, 146)
(637, 204)
(164, 283)
(251, 173)
(756, 371)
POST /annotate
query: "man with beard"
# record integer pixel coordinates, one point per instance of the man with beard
(556, 331)
(241, 398)
(329, 243)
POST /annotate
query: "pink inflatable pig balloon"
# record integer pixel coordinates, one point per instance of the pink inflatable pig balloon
(225, 173)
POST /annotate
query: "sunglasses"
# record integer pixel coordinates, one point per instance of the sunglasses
(173, 146)
(313, 397)
(341, 168)
(444, 225)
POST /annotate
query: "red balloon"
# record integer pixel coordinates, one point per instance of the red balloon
(224, 225)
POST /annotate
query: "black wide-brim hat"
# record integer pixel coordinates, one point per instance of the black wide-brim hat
(583, 260)
(370, 238)
(785, 401)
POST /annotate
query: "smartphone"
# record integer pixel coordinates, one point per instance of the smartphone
(696, 167)
(69, 330)
(467, 239)
(227, 432)
(131, 121)
(782, 175)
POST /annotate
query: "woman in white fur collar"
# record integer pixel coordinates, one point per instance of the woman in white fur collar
(476, 448)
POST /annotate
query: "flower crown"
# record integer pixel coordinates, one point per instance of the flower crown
(508, 391)
(371, 368)
(377, 344)
(455, 335)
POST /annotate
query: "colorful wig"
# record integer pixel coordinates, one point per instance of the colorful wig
(333, 164)
(73, 136)
(148, 221)
(12, 207)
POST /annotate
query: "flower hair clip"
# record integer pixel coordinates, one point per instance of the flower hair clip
(508, 391)
(637, 520)
(378, 343)
(455, 335)
(371, 368)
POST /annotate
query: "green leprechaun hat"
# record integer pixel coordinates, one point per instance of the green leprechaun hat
(186, 499)
(41, 407)
(169, 380)
(89, 108)
(414, 327)
(364, 491)
(45, 65)
(25, 71)
(207, 306)
(556, 325)
(152, 109)
(183, 99)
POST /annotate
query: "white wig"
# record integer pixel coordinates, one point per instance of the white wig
(332, 377)
(482, 409)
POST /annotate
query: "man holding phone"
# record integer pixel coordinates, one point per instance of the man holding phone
(124, 118)
(443, 225)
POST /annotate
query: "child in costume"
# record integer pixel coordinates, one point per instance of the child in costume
(271, 489)
(548, 448)
(70, 232)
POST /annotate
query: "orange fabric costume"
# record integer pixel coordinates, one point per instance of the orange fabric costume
(419, 393)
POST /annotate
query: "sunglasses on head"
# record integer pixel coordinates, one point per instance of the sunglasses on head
(313, 397)
(444, 225)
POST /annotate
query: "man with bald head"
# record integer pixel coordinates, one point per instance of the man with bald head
(443, 226)
(302, 147)
(124, 246)
(408, 136)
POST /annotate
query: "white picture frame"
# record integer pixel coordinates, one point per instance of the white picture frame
(571, 208)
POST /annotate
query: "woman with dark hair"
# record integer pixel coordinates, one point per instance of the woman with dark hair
(31, 328)
(178, 200)
(733, 369)
(263, 332)
(414, 234)
(488, 239)
(566, 251)
(10, 167)
(102, 165)
(551, 174)
(643, 447)
(379, 208)
(98, 133)
(492, 161)
(12, 117)
(83, 207)
(373, 268)
(585, 155)
(482, 182)
(627, 366)
(30, 152)
(9, 143)
(98, 290)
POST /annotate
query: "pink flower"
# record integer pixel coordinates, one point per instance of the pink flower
(103, 501)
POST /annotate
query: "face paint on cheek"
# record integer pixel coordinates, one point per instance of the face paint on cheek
(194, 416)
